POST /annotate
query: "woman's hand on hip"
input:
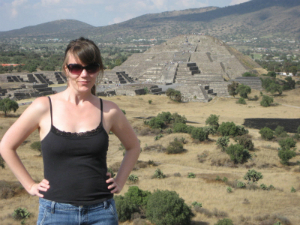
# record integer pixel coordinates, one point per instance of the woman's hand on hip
(36, 188)
(113, 187)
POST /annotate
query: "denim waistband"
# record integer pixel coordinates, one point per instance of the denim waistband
(65, 206)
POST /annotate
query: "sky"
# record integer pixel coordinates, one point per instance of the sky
(15, 14)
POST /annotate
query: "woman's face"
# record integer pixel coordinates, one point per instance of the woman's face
(82, 82)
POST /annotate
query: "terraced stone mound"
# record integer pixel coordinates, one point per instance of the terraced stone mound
(202, 66)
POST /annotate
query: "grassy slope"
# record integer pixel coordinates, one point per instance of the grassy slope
(203, 188)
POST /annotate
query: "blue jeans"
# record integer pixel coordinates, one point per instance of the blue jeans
(103, 213)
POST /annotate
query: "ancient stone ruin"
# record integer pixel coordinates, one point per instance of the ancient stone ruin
(200, 66)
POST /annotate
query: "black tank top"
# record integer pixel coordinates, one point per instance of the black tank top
(75, 165)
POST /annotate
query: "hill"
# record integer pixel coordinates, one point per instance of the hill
(255, 18)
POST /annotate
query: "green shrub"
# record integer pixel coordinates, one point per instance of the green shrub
(248, 74)
(135, 200)
(150, 101)
(191, 175)
(228, 129)
(7, 105)
(232, 88)
(133, 178)
(240, 184)
(156, 123)
(243, 90)
(238, 154)
(264, 187)
(166, 117)
(241, 101)
(210, 130)
(199, 134)
(21, 214)
(229, 189)
(285, 155)
(279, 132)
(253, 176)
(167, 208)
(180, 128)
(287, 143)
(176, 118)
(2, 165)
(266, 101)
(36, 146)
(159, 174)
(266, 133)
(157, 137)
(224, 222)
(197, 204)
(175, 147)
(146, 90)
(245, 141)
(174, 94)
(223, 142)
(241, 130)
(213, 120)
(293, 190)
(273, 87)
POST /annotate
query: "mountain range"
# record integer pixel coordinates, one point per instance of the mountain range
(256, 18)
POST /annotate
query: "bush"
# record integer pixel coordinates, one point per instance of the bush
(237, 153)
(228, 129)
(285, 155)
(266, 101)
(248, 74)
(166, 117)
(191, 175)
(210, 130)
(199, 133)
(150, 101)
(240, 184)
(287, 143)
(279, 132)
(232, 88)
(273, 87)
(241, 130)
(159, 174)
(175, 147)
(243, 90)
(245, 141)
(180, 128)
(156, 123)
(135, 200)
(157, 137)
(21, 214)
(223, 142)
(224, 222)
(176, 118)
(2, 165)
(174, 94)
(229, 189)
(266, 133)
(293, 190)
(133, 178)
(241, 101)
(36, 146)
(167, 208)
(213, 120)
(253, 176)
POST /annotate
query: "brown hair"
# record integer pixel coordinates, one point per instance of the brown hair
(87, 52)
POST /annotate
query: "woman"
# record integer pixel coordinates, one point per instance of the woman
(73, 127)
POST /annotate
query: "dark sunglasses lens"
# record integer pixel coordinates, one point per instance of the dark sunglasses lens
(75, 68)
(93, 68)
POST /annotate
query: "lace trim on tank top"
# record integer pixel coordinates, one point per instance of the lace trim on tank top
(75, 134)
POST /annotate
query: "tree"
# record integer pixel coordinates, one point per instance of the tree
(244, 90)
(253, 176)
(167, 208)
(266, 133)
(237, 153)
(266, 101)
(272, 74)
(232, 88)
(213, 120)
(7, 105)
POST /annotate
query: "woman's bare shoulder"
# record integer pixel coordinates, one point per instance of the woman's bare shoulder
(40, 104)
(109, 105)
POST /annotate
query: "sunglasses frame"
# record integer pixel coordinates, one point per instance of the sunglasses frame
(81, 68)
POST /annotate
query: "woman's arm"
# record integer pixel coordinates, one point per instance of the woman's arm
(122, 129)
(28, 122)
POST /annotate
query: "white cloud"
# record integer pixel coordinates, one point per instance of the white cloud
(50, 2)
(14, 5)
(235, 2)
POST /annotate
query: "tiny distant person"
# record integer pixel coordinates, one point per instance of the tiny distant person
(73, 126)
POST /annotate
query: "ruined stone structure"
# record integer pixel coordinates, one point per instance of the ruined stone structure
(202, 67)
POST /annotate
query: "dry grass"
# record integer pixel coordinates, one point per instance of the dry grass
(263, 207)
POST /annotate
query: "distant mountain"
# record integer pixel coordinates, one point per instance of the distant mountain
(58, 28)
(256, 18)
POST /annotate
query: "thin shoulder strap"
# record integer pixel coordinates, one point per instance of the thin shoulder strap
(50, 109)
(101, 108)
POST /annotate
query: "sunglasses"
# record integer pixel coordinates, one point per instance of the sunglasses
(77, 68)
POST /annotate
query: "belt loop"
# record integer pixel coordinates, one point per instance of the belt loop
(53, 207)
(105, 204)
